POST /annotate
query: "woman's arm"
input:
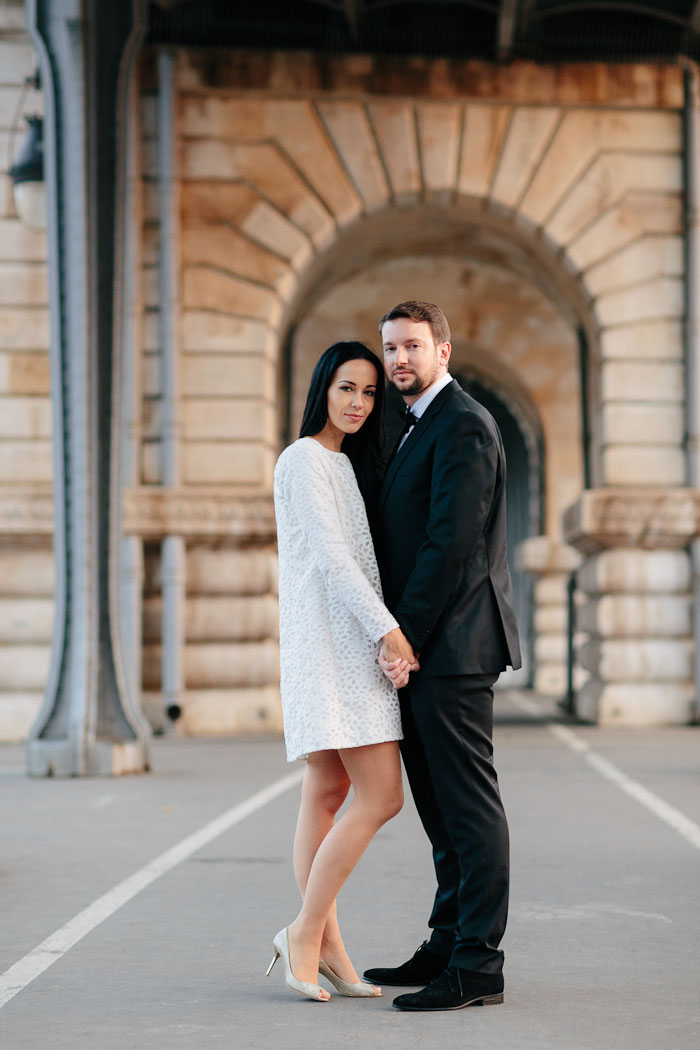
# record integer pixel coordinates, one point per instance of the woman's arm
(307, 488)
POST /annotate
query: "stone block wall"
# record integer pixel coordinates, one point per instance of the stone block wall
(26, 468)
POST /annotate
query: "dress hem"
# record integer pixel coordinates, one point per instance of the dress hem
(303, 755)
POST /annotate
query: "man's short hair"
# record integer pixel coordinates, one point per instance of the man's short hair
(415, 310)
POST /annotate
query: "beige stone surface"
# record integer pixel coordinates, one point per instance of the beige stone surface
(636, 214)
(23, 668)
(23, 328)
(544, 554)
(569, 153)
(529, 132)
(651, 381)
(641, 424)
(226, 462)
(24, 373)
(23, 284)
(266, 225)
(217, 245)
(636, 704)
(348, 126)
(208, 289)
(551, 649)
(211, 618)
(644, 259)
(643, 465)
(25, 619)
(660, 298)
(25, 417)
(150, 472)
(300, 132)
(606, 181)
(25, 461)
(208, 331)
(485, 128)
(229, 418)
(650, 339)
(638, 659)
(551, 619)
(18, 712)
(636, 572)
(224, 375)
(643, 131)
(25, 571)
(217, 665)
(230, 712)
(550, 590)
(13, 16)
(395, 129)
(625, 615)
(17, 60)
(7, 204)
(228, 571)
(439, 133)
(264, 167)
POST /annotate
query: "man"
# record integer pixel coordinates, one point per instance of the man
(441, 547)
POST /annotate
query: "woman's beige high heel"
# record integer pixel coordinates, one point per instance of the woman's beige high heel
(281, 947)
(357, 989)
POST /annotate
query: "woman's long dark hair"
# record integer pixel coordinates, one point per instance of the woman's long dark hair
(363, 449)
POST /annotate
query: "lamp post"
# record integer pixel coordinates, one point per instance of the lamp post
(27, 174)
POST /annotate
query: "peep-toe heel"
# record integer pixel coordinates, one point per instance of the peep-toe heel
(280, 945)
(354, 989)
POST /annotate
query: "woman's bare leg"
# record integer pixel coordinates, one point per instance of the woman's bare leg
(325, 788)
(375, 774)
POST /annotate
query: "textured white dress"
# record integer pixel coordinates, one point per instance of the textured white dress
(332, 616)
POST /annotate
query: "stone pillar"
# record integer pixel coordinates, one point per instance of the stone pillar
(637, 604)
(551, 562)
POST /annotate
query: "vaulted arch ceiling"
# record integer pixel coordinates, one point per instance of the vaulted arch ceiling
(542, 30)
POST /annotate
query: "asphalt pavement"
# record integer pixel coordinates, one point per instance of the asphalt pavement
(602, 946)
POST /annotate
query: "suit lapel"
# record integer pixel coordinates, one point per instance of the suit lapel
(415, 437)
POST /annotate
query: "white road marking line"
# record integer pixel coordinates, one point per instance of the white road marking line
(671, 816)
(33, 964)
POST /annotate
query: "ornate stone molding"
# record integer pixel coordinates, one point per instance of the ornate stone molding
(155, 512)
(646, 518)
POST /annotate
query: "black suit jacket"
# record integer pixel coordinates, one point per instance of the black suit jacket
(441, 540)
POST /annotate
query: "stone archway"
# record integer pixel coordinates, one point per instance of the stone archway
(294, 188)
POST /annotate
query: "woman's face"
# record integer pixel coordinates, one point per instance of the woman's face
(351, 395)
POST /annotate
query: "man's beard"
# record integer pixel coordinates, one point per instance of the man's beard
(417, 386)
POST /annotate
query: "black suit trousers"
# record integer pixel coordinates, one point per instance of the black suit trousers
(448, 754)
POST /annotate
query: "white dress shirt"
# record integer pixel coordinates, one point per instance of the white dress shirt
(429, 395)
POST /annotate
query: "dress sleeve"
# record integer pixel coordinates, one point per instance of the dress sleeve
(315, 510)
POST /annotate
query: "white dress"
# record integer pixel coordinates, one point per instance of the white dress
(332, 616)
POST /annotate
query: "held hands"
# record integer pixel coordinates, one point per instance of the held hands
(397, 658)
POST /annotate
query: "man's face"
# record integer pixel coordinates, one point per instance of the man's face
(412, 360)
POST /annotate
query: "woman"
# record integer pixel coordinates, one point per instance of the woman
(340, 712)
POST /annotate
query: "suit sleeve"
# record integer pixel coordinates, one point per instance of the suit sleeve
(465, 469)
(313, 505)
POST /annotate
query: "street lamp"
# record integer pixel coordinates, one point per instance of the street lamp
(27, 174)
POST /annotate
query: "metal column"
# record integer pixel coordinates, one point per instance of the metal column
(89, 724)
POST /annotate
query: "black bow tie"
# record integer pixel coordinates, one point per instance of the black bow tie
(409, 420)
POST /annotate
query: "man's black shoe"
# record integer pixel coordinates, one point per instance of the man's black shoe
(453, 990)
(423, 968)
